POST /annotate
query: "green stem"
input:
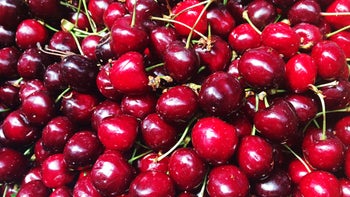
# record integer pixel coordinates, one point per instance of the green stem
(202, 191)
(246, 17)
(337, 31)
(133, 19)
(299, 158)
(323, 106)
(62, 94)
(134, 158)
(91, 22)
(154, 66)
(77, 43)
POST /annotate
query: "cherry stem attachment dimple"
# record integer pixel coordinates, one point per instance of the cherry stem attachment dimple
(298, 157)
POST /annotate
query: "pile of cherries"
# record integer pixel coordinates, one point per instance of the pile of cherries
(163, 98)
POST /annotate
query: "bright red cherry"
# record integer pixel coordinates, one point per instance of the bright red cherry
(150, 162)
(244, 37)
(309, 35)
(342, 130)
(30, 32)
(338, 21)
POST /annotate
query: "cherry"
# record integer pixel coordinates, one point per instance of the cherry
(32, 175)
(81, 150)
(306, 11)
(189, 17)
(8, 62)
(242, 124)
(343, 40)
(214, 140)
(217, 56)
(32, 63)
(301, 71)
(30, 32)
(97, 9)
(103, 110)
(84, 186)
(152, 183)
(278, 122)
(336, 96)
(9, 95)
(63, 41)
(103, 50)
(111, 174)
(180, 62)
(329, 146)
(262, 67)
(227, 180)
(29, 87)
(251, 105)
(89, 45)
(61, 192)
(244, 37)
(319, 183)
(7, 37)
(51, 79)
(309, 35)
(157, 133)
(150, 162)
(56, 133)
(336, 21)
(78, 107)
(14, 165)
(104, 84)
(178, 104)
(139, 106)
(49, 10)
(114, 11)
(128, 35)
(342, 130)
(297, 170)
(34, 188)
(78, 72)
(55, 172)
(345, 187)
(14, 10)
(41, 153)
(161, 37)
(220, 94)
(277, 184)
(128, 74)
(80, 20)
(144, 9)
(119, 132)
(220, 20)
(305, 106)
(186, 169)
(261, 13)
(255, 157)
(282, 38)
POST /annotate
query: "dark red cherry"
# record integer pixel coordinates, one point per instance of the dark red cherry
(32, 64)
(52, 79)
(114, 11)
(329, 146)
(157, 133)
(97, 9)
(104, 84)
(281, 37)
(48, 10)
(261, 13)
(30, 32)
(7, 37)
(29, 87)
(262, 67)
(186, 169)
(128, 74)
(336, 96)
(301, 72)
(150, 162)
(309, 35)
(307, 11)
(119, 132)
(9, 95)
(33, 174)
(80, 20)
(62, 192)
(242, 124)
(305, 106)
(319, 183)
(277, 184)
(8, 62)
(56, 133)
(41, 153)
(63, 41)
(139, 106)
(220, 20)
(88, 46)
(255, 156)
(103, 110)
(34, 188)
(78, 72)
(152, 184)
(178, 104)
(161, 37)
(13, 165)
(12, 12)
(82, 150)
(84, 186)
(144, 8)
(244, 37)
(342, 130)
(55, 172)
(103, 50)
(214, 140)
(111, 174)
(227, 180)
(180, 62)
(220, 94)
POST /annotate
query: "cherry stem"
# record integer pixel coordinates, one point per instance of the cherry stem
(298, 157)
(77, 43)
(246, 17)
(5, 190)
(189, 7)
(62, 94)
(323, 105)
(201, 192)
(332, 83)
(196, 22)
(184, 134)
(48, 26)
(134, 158)
(337, 31)
(91, 22)
(335, 13)
(133, 19)
(149, 68)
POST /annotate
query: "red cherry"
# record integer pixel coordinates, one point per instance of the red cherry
(338, 21)
(342, 130)
(305, 106)
(29, 87)
(244, 37)
(336, 96)
(150, 162)
(307, 11)
(261, 13)
(220, 20)
(343, 40)
(97, 9)
(297, 170)
(277, 184)
(30, 32)
(114, 11)
(32, 63)
(161, 37)
(63, 41)
(345, 187)
(33, 188)
(214, 140)
(103, 110)
(41, 153)
(138, 106)
(84, 186)
(8, 64)
(80, 20)
(13, 165)
(104, 84)
(62, 192)
(88, 46)
(309, 35)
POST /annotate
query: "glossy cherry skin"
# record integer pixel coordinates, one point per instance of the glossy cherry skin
(14, 165)
(7, 37)
(97, 9)
(305, 106)
(307, 11)
(261, 13)
(343, 40)
(34, 188)
(41, 153)
(338, 22)
(30, 32)
(319, 183)
(84, 186)
(217, 56)
(262, 67)
(227, 180)
(180, 62)
(118, 133)
(128, 74)
(255, 157)
(337, 96)
(51, 79)
(220, 94)
(82, 150)
(345, 187)
(32, 63)
(150, 162)
(29, 87)
(111, 174)
(278, 122)
(14, 10)
(88, 46)
(297, 170)
(144, 9)
(126, 37)
(139, 106)
(220, 20)
(114, 11)
(214, 140)
(342, 130)
(178, 104)
(63, 41)
(331, 149)
(277, 184)
(39, 108)
(8, 64)
(347, 163)
(33, 174)
(9, 95)
(157, 133)
(78, 72)
(186, 169)
(161, 37)
(80, 20)
(103, 110)
(104, 84)
(309, 35)
(48, 10)
(244, 37)
(329, 58)
(152, 184)
(55, 172)
(62, 192)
